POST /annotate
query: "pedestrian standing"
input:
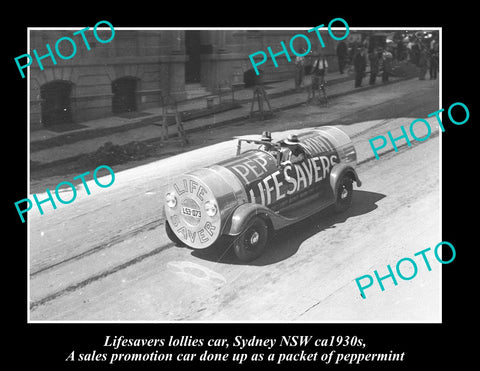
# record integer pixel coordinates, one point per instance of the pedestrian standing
(319, 70)
(374, 65)
(401, 50)
(342, 55)
(416, 52)
(352, 51)
(409, 50)
(299, 69)
(434, 55)
(422, 63)
(386, 64)
(359, 65)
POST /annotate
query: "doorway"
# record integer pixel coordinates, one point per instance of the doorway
(124, 97)
(56, 102)
(192, 50)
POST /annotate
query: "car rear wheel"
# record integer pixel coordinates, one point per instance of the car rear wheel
(172, 236)
(251, 243)
(344, 193)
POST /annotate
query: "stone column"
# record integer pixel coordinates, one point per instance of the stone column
(220, 42)
(178, 42)
(176, 66)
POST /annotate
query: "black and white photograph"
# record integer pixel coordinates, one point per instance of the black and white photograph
(198, 186)
(235, 174)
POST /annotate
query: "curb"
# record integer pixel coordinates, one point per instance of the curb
(295, 105)
(80, 135)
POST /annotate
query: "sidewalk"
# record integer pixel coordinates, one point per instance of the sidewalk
(48, 148)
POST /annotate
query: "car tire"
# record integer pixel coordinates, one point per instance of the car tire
(251, 243)
(172, 236)
(344, 193)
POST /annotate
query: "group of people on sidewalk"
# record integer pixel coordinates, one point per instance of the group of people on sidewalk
(422, 53)
(380, 61)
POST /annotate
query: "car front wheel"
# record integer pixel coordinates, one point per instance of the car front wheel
(344, 193)
(251, 243)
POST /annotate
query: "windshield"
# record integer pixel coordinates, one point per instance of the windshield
(245, 145)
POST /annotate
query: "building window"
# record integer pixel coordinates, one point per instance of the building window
(193, 51)
(56, 102)
(124, 97)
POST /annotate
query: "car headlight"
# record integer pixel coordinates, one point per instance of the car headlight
(210, 208)
(171, 200)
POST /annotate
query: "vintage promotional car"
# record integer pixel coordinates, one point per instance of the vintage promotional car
(260, 190)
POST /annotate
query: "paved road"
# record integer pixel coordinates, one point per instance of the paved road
(106, 256)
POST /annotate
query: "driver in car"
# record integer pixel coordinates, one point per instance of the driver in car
(266, 137)
(295, 153)
(268, 147)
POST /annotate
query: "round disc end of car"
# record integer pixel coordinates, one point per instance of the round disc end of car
(192, 212)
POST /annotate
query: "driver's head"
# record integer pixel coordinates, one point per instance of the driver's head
(293, 144)
(292, 141)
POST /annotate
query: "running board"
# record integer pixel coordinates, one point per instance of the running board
(306, 208)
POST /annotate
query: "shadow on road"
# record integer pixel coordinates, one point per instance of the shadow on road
(287, 241)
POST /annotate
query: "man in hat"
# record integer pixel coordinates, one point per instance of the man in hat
(266, 137)
(319, 69)
(295, 153)
(387, 59)
(268, 146)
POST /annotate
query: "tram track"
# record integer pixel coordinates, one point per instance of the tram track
(98, 248)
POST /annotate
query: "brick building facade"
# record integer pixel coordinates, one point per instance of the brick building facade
(140, 66)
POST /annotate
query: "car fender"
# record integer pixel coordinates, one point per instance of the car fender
(338, 171)
(242, 215)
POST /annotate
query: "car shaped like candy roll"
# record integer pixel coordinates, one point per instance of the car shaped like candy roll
(261, 190)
